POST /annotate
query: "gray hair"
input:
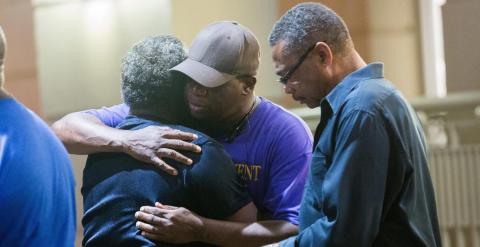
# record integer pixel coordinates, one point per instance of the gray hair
(147, 83)
(307, 23)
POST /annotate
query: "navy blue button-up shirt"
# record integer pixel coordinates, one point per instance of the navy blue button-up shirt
(369, 184)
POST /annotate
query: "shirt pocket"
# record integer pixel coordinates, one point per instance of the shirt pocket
(319, 164)
(318, 169)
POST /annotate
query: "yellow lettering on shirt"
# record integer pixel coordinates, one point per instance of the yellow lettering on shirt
(248, 172)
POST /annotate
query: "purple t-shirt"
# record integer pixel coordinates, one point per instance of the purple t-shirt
(272, 152)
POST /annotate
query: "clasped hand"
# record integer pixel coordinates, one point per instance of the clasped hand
(169, 224)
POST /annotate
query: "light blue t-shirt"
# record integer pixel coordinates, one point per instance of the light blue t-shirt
(272, 153)
(37, 197)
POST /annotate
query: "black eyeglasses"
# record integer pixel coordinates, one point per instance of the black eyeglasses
(284, 79)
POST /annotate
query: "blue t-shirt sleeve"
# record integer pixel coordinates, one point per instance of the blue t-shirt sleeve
(288, 172)
(353, 187)
(110, 116)
(37, 186)
(216, 190)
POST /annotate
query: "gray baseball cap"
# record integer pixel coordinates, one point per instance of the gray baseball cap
(220, 52)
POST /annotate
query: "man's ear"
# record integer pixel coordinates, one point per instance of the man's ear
(248, 84)
(324, 52)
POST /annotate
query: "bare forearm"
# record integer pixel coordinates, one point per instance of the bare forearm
(82, 133)
(259, 233)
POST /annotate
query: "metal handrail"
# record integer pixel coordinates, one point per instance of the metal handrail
(453, 100)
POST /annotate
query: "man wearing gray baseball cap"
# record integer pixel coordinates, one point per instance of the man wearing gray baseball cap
(271, 147)
(224, 58)
(219, 53)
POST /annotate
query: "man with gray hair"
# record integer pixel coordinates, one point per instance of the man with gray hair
(369, 183)
(37, 187)
(115, 185)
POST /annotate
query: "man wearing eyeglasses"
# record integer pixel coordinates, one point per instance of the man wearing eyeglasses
(369, 184)
(271, 147)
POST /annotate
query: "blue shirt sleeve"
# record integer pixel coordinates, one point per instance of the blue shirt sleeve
(288, 172)
(110, 116)
(353, 185)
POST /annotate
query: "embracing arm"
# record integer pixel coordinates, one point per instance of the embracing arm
(84, 133)
(179, 225)
(225, 233)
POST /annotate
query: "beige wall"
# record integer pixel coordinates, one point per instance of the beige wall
(395, 41)
(462, 37)
(80, 46)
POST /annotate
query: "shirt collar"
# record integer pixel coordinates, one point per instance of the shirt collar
(339, 93)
